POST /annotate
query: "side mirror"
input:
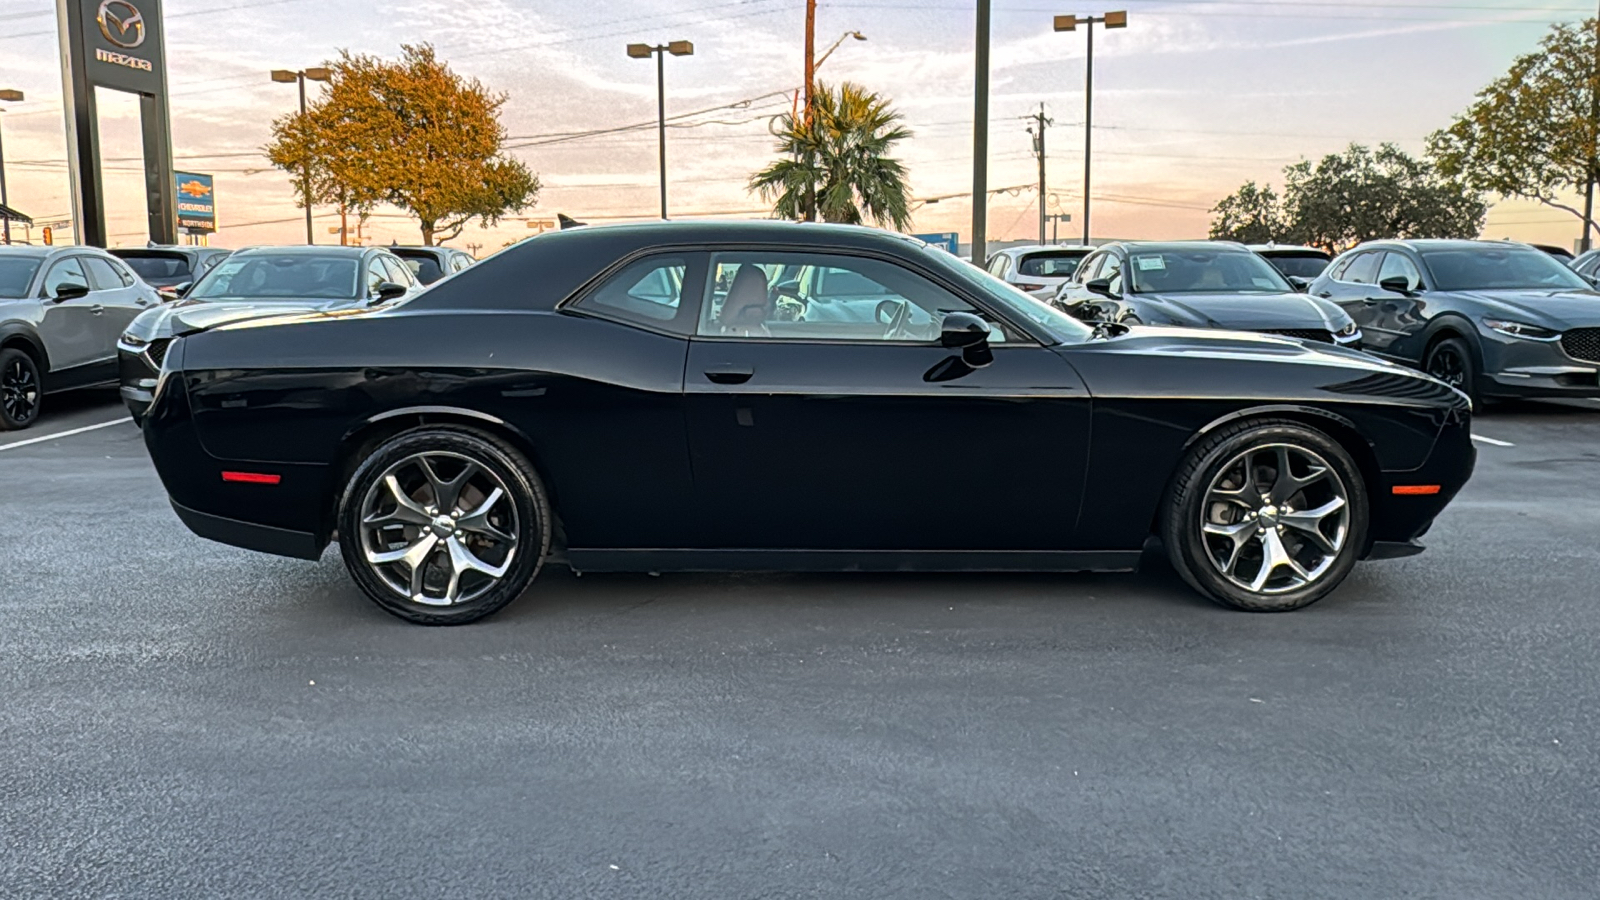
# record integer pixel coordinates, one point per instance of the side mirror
(1397, 284)
(1101, 286)
(1299, 284)
(389, 290)
(969, 334)
(71, 292)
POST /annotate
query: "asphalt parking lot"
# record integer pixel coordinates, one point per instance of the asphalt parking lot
(181, 719)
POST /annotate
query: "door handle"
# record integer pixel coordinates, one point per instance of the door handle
(730, 374)
(1325, 294)
(1372, 301)
(97, 309)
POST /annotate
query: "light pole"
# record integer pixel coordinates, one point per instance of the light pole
(980, 141)
(829, 52)
(645, 51)
(1070, 23)
(10, 96)
(285, 76)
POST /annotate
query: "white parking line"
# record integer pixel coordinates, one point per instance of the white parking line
(1477, 437)
(61, 434)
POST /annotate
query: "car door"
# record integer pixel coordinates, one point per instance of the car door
(71, 329)
(1353, 284)
(120, 296)
(1392, 315)
(836, 421)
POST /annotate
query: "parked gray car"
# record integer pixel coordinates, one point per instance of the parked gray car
(1038, 269)
(61, 312)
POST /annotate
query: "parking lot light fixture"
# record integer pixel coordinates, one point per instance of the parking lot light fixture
(659, 51)
(8, 95)
(299, 76)
(1118, 19)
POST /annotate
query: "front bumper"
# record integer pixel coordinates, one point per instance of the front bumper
(1522, 367)
(137, 374)
(1400, 514)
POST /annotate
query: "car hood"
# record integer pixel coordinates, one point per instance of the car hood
(1558, 310)
(200, 315)
(1248, 312)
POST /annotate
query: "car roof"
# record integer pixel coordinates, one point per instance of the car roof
(309, 250)
(1442, 244)
(722, 231)
(29, 250)
(1267, 249)
(1180, 246)
(1041, 248)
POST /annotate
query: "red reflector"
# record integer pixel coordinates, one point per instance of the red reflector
(251, 477)
(1414, 489)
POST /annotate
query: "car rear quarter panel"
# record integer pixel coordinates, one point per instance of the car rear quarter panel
(594, 404)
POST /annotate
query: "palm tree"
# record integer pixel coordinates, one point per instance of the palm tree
(837, 165)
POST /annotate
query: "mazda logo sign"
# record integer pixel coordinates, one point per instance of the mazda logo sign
(121, 23)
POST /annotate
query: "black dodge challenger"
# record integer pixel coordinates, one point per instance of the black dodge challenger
(771, 396)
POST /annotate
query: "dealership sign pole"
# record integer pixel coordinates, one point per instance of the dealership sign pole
(121, 45)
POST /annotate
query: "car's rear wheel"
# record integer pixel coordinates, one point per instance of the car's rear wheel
(1266, 516)
(21, 390)
(444, 526)
(1451, 361)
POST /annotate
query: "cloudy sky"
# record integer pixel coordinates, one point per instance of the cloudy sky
(1192, 99)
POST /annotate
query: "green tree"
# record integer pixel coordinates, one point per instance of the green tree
(1250, 215)
(1532, 132)
(411, 133)
(1350, 197)
(835, 163)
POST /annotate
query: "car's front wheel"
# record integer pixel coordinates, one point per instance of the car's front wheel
(21, 390)
(444, 526)
(1266, 516)
(1451, 361)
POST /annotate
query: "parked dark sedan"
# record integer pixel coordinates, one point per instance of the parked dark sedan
(170, 269)
(429, 264)
(257, 283)
(1492, 318)
(776, 396)
(61, 309)
(1199, 284)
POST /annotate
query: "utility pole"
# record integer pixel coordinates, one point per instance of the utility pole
(1041, 122)
(811, 54)
(1594, 142)
(980, 142)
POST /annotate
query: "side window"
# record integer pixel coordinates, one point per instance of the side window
(124, 274)
(1337, 269)
(398, 273)
(101, 274)
(782, 295)
(460, 261)
(647, 292)
(1397, 264)
(66, 272)
(997, 266)
(1363, 269)
(375, 274)
(1112, 272)
(1087, 272)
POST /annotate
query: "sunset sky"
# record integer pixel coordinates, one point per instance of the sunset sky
(1192, 99)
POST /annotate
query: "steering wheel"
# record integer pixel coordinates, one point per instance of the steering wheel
(894, 315)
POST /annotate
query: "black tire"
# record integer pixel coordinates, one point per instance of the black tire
(522, 488)
(21, 390)
(1187, 508)
(1453, 362)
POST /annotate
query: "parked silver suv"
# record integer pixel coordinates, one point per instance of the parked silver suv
(61, 312)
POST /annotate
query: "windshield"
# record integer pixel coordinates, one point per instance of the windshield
(1204, 271)
(1494, 268)
(158, 266)
(16, 273)
(1015, 302)
(1055, 264)
(265, 276)
(1307, 267)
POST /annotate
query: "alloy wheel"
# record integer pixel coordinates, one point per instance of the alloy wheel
(1275, 518)
(1448, 366)
(19, 390)
(439, 528)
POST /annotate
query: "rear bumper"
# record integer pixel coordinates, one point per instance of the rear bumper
(249, 535)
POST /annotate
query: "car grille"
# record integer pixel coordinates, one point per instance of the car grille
(1582, 343)
(157, 351)
(1309, 334)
